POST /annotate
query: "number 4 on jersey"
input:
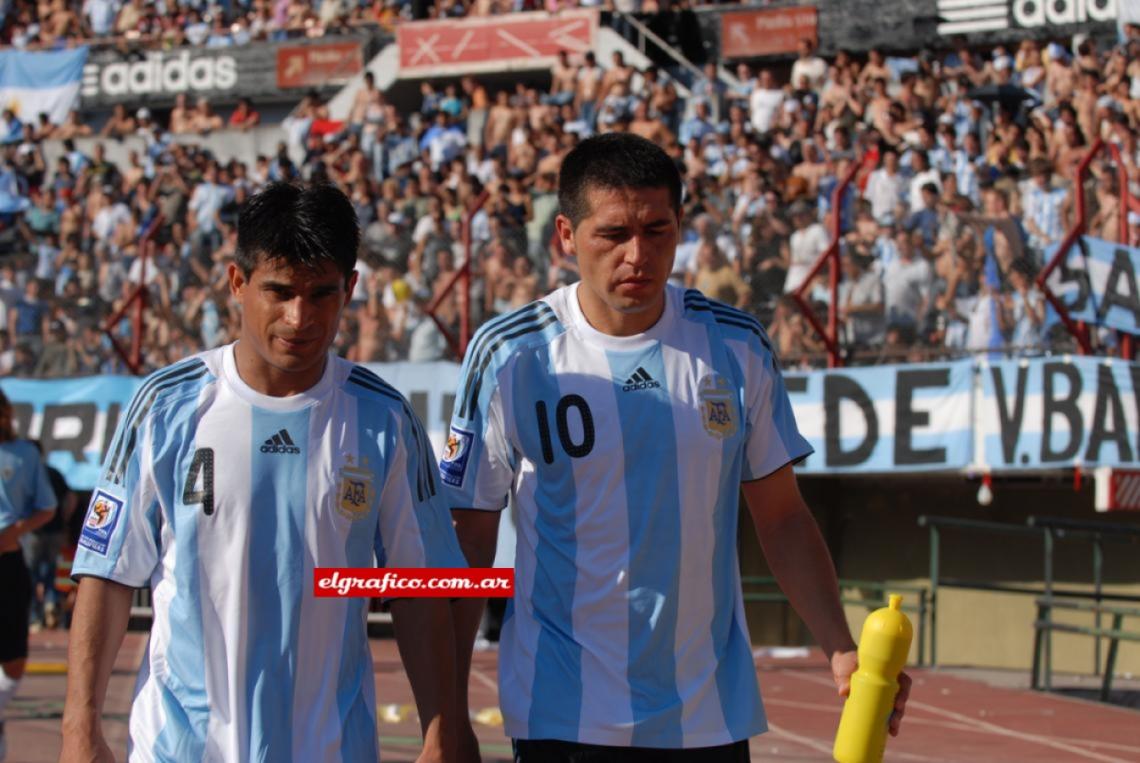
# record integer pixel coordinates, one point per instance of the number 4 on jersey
(201, 472)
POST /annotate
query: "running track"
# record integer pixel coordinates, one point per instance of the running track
(949, 718)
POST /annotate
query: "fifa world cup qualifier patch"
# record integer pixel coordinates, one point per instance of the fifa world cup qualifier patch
(102, 517)
(453, 465)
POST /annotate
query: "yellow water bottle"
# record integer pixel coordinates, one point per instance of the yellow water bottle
(883, 649)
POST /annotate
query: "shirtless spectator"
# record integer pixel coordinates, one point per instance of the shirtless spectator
(500, 122)
(72, 127)
(589, 89)
(120, 125)
(181, 116)
(563, 80)
(619, 73)
(648, 127)
(204, 120)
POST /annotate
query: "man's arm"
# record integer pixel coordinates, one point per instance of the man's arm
(802, 566)
(102, 609)
(478, 532)
(424, 636)
(10, 535)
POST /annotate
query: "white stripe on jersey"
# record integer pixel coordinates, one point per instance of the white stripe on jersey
(224, 546)
(695, 660)
(601, 620)
(316, 738)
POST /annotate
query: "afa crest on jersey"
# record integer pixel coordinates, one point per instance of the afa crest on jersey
(355, 492)
(718, 406)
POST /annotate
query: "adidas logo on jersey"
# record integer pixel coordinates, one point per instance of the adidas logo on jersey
(640, 380)
(280, 443)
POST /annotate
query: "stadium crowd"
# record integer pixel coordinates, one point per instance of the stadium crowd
(965, 179)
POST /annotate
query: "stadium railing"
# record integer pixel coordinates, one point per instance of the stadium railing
(462, 277)
(859, 593)
(1048, 530)
(1044, 626)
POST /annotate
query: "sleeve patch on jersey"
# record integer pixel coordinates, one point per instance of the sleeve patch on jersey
(102, 517)
(453, 465)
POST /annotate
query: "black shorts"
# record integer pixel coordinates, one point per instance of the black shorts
(15, 598)
(557, 751)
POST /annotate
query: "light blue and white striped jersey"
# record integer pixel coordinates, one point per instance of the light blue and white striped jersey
(224, 500)
(625, 456)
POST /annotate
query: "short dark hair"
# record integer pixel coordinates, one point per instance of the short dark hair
(614, 160)
(302, 225)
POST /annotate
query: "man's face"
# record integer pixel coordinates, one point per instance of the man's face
(290, 315)
(625, 246)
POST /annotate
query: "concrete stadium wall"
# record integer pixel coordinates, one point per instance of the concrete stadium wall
(871, 526)
(223, 144)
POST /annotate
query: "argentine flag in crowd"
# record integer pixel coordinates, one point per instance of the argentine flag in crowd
(35, 83)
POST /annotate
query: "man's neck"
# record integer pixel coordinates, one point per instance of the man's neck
(268, 380)
(614, 323)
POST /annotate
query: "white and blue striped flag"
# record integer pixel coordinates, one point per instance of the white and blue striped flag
(36, 83)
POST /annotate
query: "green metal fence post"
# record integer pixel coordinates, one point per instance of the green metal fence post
(1110, 662)
(1098, 569)
(1048, 635)
(933, 596)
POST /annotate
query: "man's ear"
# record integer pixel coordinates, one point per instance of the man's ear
(565, 230)
(352, 279)
(238, 281)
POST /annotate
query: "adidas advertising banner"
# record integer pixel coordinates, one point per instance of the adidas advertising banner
(1097, 283)
(1055, 412)
(75, 419)
(859, 25)
(885, 418)
(263, 71)
(1040, 413)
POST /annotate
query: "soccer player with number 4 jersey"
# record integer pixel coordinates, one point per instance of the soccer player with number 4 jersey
(232, 475)
(625, 415)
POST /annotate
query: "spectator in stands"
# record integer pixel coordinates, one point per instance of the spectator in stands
(244, 116)
(885, 188)
(808, 241)
(907, 283)
(861, 302)
(1042, 208)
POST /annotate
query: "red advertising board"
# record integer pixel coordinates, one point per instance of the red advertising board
(313, 65)
(490, 43)
(766, 33)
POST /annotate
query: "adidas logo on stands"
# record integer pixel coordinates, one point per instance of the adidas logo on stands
(280, 443)
(640, 380)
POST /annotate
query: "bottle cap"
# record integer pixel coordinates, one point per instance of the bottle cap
(896, 601)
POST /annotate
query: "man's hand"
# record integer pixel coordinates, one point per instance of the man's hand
(844, 665)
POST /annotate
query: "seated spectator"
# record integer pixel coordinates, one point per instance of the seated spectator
(861, 306)
(203, 119)
(120, 125)
(181, 116)
(717, 279)
(906, 284)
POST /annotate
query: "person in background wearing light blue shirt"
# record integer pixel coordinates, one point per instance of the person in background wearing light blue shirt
(27, 502)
